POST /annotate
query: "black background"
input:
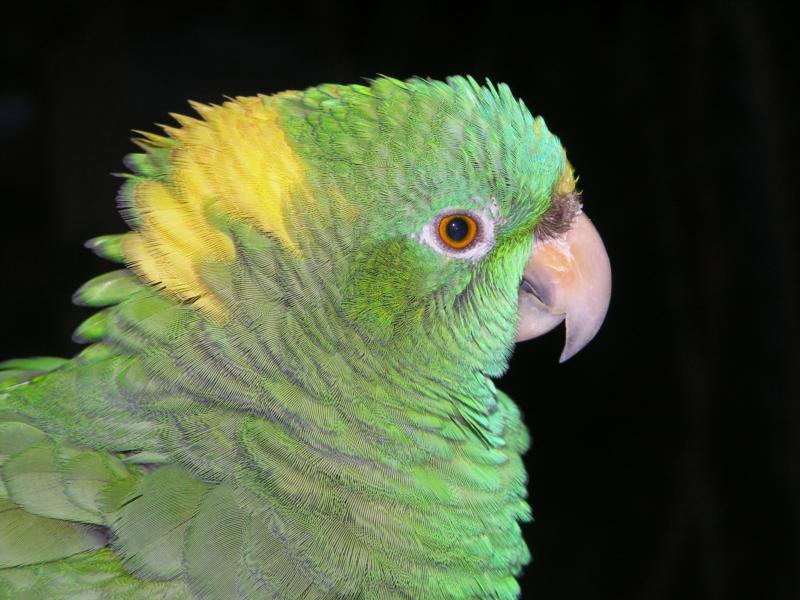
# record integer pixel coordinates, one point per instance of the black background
(665, 456)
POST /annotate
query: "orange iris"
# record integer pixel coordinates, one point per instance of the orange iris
(458, 230)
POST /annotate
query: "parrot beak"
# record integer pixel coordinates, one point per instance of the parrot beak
(566, 277)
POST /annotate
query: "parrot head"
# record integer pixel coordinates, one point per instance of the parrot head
(434, 220)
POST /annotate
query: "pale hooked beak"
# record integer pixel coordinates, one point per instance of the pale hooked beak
(567, 277)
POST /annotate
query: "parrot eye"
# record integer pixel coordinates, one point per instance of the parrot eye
(457, 231)
(461, 233)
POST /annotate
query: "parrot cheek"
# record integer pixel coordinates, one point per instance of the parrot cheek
(566, 278)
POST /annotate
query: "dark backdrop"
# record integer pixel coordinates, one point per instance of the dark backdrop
(665, 456)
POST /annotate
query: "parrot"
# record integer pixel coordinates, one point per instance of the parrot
(287, 387)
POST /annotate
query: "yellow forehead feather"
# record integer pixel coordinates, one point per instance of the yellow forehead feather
(566, 185)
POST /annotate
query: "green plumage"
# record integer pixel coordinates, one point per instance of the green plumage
(337, 435)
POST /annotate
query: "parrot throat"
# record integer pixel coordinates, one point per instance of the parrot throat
(422, 484)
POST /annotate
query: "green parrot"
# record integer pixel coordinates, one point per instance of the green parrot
(286, 391)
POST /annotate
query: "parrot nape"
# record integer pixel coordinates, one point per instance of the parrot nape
(286, 391)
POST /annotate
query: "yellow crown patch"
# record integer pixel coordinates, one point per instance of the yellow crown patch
(235, 158)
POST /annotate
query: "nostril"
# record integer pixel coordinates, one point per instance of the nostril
(529, 287)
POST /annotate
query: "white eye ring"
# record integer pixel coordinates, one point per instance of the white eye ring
(477, 249)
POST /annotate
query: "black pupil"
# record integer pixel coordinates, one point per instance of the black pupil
(457, 229)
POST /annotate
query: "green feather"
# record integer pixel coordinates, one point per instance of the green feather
(40, 364)
(34, 480)
(96, 575)
(213, 569)
(107, 289)
(92, 329)
(21, 370)
(86, 477)
(16, 437)
(108, 247)
(151, 520)
(27, 539)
